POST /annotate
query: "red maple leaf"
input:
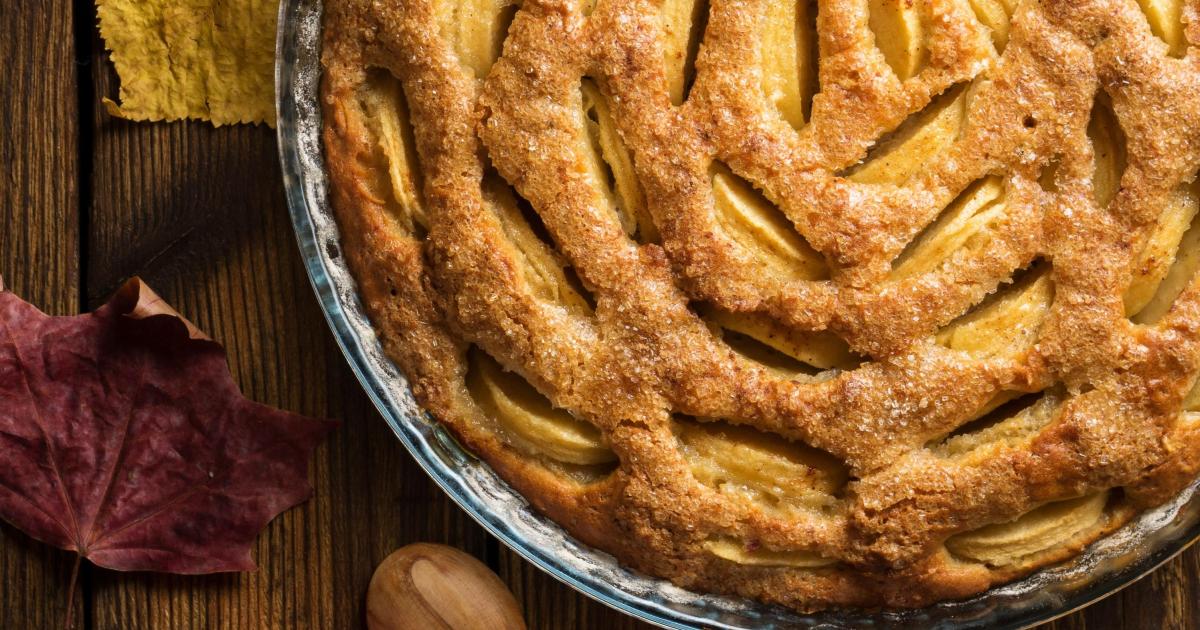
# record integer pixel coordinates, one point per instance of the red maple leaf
(123, 437)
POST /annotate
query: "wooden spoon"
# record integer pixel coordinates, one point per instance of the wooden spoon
(429, 587)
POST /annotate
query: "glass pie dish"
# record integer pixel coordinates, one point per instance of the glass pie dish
(1108, 565)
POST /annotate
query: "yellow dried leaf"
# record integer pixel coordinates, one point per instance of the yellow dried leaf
(204, 59)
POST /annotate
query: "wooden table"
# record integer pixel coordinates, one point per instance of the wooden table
(87, 201)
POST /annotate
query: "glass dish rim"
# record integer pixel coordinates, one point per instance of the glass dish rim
(491, 503)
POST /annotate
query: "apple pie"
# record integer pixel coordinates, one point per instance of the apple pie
(869, 303)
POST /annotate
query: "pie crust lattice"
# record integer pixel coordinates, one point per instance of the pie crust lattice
(870, 303)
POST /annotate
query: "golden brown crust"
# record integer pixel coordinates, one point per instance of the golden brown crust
(641, 358)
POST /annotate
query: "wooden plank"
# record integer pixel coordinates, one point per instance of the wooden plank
(39, 204)
(1167, 598)
(39, 246)
(199, 213)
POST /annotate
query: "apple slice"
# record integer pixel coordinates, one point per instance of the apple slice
(1166, 21)
(823, 350)
(386, 114)
(1169, 258)
(1108, 153)
(1037, 531)
(1007, 425)
(534, 424)
(919, 139)
(789, 73)
(735, 551)
(611, 166)
(899, 35)
(761, 467)
(541, 267)
(964, 224)
(1179, 275)
(681, 22)
(757, 225)
(476, 30)
(997, 16)
(1007, 323)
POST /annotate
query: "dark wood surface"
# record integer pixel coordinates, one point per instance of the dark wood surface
(87, 201)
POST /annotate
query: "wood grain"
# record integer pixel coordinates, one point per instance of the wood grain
(199, 214)
(39, 245)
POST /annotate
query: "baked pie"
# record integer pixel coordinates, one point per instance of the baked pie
(873, 303)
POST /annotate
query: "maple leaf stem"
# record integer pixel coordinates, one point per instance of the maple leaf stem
(70, 622)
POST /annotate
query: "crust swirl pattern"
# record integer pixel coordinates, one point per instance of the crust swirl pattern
(870, 303)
